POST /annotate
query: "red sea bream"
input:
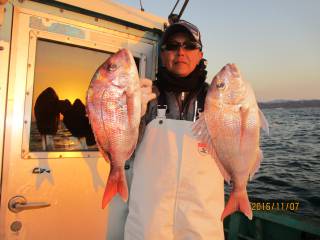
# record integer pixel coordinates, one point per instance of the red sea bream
(230, 126)
(114, 106)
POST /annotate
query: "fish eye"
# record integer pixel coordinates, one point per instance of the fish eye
(220, 85)
(112, 67)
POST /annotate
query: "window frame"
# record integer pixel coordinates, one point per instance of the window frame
(36, 34)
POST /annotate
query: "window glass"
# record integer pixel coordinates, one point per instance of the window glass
(61, 79)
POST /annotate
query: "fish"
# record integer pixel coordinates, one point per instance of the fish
(114, 106)
(230, 127)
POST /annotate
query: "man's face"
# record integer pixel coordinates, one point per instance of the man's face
(180, 62)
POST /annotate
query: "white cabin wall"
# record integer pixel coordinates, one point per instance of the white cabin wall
(6, 12)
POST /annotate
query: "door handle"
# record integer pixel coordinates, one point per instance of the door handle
(20, 203)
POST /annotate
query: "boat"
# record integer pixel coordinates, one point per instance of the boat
(51, 182)
(52, 178)
(271, 225)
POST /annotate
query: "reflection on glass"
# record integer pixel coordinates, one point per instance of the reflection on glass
(62, 76)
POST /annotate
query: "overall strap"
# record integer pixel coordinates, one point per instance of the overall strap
(201, 97)
(200, 101)
(161, 99)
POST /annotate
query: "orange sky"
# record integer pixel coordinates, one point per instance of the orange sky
(68, 70)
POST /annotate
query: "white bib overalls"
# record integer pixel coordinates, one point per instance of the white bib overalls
(177, 190)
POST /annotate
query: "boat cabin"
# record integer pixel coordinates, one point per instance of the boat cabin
(52, 175)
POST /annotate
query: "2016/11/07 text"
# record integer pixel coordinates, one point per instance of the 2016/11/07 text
(275, 206)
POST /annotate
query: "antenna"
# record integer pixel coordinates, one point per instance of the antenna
(173, 18)
(141, 7)
(174, 7)
(183, 8)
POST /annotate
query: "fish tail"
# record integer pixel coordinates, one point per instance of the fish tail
(117, 183)
(238, 201)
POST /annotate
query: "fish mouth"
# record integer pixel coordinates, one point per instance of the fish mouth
(126, 56)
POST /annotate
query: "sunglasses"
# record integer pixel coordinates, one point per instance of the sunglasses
(174, 46)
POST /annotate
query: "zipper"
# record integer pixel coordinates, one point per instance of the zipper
(183, 99)
(180, 100)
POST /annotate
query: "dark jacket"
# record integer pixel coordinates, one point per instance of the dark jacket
(180, 106)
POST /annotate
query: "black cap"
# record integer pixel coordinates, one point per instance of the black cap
(182, 26)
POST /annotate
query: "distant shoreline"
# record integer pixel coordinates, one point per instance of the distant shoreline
(290, 104)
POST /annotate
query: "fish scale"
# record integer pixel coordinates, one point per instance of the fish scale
(230, 127)
(114, 107)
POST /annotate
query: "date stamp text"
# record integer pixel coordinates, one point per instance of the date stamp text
(277, 205)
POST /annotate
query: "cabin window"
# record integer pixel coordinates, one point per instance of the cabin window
(61, 78)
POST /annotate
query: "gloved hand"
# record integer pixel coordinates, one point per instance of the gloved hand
(146, 94)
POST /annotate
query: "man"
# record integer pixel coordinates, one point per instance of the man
(183, 72)
(177, 189)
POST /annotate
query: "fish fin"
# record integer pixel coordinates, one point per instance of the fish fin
(117, 183)
(223, 171)
(257, 164)
(105, 155)
(199, 129)
(238, 201)
(123, 186)
(264, 123)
